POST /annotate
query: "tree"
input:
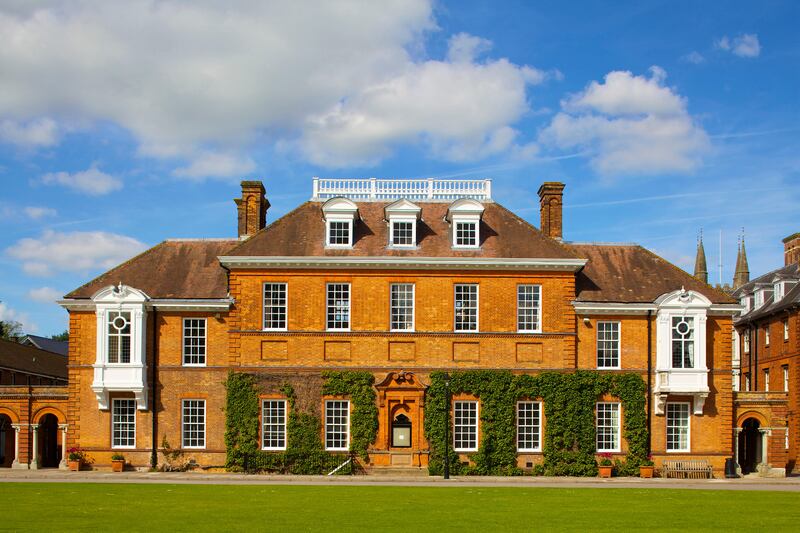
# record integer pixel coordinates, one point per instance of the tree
(10, 330)
(63, 336)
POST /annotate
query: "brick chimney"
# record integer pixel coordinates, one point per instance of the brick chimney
(791, 249)
(252, 208)
(551, 194)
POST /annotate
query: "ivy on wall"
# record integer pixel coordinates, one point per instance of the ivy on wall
(305, 453)
(358, 386)
(569, 403)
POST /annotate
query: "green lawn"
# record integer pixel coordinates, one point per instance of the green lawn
(130, 507)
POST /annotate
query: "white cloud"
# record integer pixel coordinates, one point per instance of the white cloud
(37, 213)
(8, 314)
(631, 125)
(44, 295)
(694, 57)
(91, 181)
(80, 251)
(219, 165)
(186, 77)
(460, 110)
(36, 132)
(744, 45)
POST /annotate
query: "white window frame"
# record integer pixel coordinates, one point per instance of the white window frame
(777, 291)
(114, 422)
(691, 339)
(392, 307)
(785, 378)
(186, 355)
(264, 424)
(758, 298)
(747, 382)
(347, 426)
(477, 308)
(537, 307)
(667, 415)
(616, 430)
(476, 228)
(766, 379)
(348, 222)
(111, 317)
(536, 427)
(329, 306)
(285, 305)
(785, 329)
(746, 341)
(766, 335)
(413, 222)
(618, 344)
(184, 406)
(475, 424)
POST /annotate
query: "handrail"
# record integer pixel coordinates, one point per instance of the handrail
(332, 472)
(373, 189)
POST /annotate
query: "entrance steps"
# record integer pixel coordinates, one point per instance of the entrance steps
(397, 471)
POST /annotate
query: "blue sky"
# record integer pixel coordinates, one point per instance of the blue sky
(121, 126)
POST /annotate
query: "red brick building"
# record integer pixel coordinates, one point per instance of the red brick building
(767, 350)
(399, 279)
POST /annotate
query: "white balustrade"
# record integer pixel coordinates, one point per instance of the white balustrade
(429, 189)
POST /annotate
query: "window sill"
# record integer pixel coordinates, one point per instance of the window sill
(529, 331)
(337, 449)
(274, 449)
(465, 450)
(539, 450)
(609, 368)
(276, 330)
(194, 365)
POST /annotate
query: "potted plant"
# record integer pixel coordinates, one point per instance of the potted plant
(647, 467)
(75, 459)
(117, 462)
(605, 466)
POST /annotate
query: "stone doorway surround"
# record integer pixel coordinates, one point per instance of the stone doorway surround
(400, 393)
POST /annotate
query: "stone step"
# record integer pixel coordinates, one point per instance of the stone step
(398, 471)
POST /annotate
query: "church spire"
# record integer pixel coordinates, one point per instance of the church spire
(700, 268)
(742, 274)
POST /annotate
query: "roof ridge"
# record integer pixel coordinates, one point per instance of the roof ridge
(135, 257)
(268, 226)
(682, 271)
(562, 244)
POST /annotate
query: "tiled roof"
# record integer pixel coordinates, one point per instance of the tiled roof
(51, 345)
(301, 233)
(32, 360)
(629, 273)
(790, 299)
(172, 269)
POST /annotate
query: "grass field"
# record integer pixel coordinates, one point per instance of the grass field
(129, 507)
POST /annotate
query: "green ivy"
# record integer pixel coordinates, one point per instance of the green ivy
(569, 402)
(358, 386)
(305, 453)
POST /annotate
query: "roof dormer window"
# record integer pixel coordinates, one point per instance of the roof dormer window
(464, 216)
(758, 298)
(340, 216)
(402, 217)
(777, 289)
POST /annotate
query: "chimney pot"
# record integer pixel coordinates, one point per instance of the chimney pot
(252, 208)
(791, 249)
(551, 195)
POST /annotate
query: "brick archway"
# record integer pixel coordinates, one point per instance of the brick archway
(49, 411)
(757, 415)
(10, 414)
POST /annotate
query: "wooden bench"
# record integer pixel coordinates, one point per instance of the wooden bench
(687, 469)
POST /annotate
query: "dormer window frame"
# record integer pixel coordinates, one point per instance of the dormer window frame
(339, 211)
(465, 212)
(778, 291)
(402, 211)
(758, 298)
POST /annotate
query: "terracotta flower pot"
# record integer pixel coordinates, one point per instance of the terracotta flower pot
(117, 465)
(74, 466)
(605, 471)
(646, 471)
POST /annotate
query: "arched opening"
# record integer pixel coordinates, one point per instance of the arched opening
(401, 431)
(750, 446)
(7, 451)
(49, 447)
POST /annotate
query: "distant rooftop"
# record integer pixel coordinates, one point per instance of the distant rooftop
(418, 190)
